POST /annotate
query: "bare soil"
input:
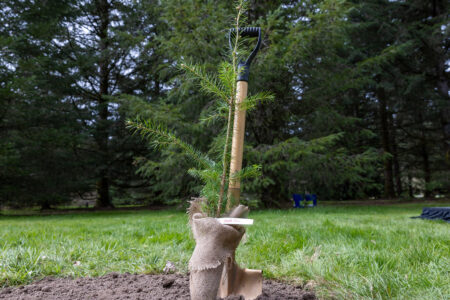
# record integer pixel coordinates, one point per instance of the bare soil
(133, 286)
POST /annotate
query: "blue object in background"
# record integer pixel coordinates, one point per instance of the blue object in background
(309, 200)
(298, 199)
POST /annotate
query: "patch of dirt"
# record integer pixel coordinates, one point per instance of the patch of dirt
(129, 286)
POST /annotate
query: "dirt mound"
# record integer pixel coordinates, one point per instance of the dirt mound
(129, 286)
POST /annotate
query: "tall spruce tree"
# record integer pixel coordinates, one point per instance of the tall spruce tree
(39, 132)
(110, 45)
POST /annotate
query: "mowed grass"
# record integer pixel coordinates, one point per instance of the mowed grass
(354, 252)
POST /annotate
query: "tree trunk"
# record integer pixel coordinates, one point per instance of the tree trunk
(426, 165)
(425, 156)
(103, 198)
(410, 186)
(397, 173)
(384, 124)
(45, 205)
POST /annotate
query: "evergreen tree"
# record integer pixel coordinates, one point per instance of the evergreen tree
(39, 133)
(109, 46)
(406, 84)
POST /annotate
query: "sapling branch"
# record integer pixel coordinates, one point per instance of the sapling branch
(160, 137)
(207, 83)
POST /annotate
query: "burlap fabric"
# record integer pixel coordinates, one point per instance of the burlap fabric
(215, 244)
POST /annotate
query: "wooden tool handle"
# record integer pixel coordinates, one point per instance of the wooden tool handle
(237, 145)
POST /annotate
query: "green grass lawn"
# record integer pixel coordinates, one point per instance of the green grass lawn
(354, 252)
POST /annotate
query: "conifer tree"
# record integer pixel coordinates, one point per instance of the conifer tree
(39, 133)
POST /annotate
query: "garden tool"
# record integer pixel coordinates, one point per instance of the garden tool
(237, 144)
(237, 281)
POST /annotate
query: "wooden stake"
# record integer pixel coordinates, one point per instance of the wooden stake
(237, 146)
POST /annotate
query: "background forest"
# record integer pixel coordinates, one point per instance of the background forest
(361, 107)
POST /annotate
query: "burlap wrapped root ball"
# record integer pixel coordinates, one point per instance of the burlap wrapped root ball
(215, 243)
